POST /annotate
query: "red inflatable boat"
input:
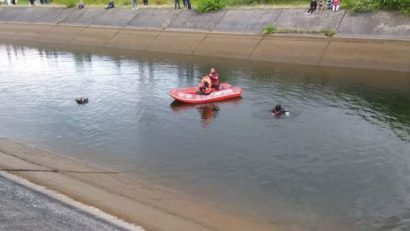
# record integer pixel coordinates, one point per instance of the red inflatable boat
(190, 95)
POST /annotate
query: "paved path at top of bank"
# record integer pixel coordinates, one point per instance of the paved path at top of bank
(22, 209)
(384, 25)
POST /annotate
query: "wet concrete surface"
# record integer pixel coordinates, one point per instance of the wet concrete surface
(23, 209)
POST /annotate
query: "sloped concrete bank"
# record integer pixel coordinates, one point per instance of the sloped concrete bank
(369, 41)
(152, 207)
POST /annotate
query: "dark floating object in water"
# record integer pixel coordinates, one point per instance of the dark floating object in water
(81, 100)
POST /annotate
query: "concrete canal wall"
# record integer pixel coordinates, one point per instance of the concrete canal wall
(369, 41)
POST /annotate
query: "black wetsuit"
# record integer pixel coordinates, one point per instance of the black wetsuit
(278, 110)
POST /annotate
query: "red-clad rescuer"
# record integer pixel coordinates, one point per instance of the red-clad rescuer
(214, 76)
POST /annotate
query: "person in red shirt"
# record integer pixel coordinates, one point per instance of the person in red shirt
(336, 5)
(214, 76)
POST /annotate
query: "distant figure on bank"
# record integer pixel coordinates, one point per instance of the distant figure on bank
(329, 4)
(145, 2)
(313, 6)
(321, 6)
(81, 5)
(177, 3)
(134, 4)
(110, 5)
(187, 3)
(336, 5)
(32, 2)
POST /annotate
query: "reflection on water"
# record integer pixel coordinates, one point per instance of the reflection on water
(207, 112)
(341, 163)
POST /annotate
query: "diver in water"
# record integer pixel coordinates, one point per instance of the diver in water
(278, 111)
(81, 100)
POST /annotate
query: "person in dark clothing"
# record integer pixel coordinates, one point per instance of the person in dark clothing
(110, 5)
(329, 4)
(145, 2)
(313, 6)
(81, 5)
(188, 3)
(81, 100)
(177, 3)
(32, 2)
(278, 110)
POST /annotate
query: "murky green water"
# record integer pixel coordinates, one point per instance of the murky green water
(340, 161)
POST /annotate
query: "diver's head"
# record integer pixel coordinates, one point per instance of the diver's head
(278, 107)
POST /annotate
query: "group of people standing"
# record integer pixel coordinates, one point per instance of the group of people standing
(111, 4)
(14, 2)
(319, 5)
(9, 2)
(134, 3)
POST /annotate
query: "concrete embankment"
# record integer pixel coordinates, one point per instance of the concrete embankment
(25, 206)
(369, 41)
(135, 201)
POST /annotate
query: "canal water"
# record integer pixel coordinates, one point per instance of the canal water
(339, 161)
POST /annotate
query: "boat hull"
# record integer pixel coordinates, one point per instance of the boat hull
(189, 95)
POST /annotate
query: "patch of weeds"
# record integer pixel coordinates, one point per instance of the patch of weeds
(270, 29)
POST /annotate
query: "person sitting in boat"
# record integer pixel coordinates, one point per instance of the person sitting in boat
(205, 86)
(278, 110)
(214, 76)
